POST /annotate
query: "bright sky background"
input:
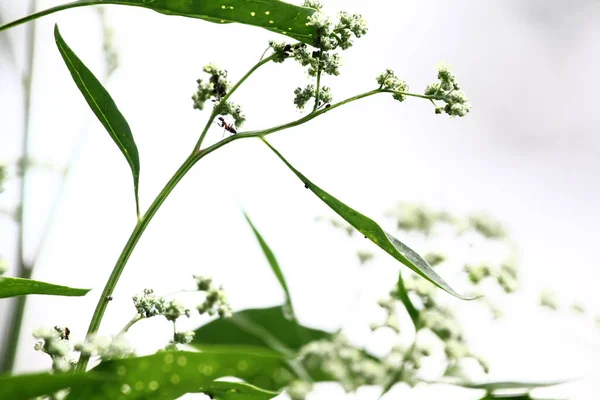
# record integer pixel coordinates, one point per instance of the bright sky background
(528, 153)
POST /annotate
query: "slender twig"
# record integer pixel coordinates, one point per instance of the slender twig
(24, 267)
(133, 321)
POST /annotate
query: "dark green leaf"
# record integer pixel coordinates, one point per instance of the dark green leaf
(375, 233)
(265, 329)
(274, 15)
(25, 387)
(104, 107)
(274, 266)
(169, 375)
(12, 287)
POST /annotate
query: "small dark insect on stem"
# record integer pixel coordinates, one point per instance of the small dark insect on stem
(228, 127)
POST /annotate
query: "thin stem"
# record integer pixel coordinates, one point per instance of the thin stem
(128, 249)
(134, 320)
(226, 97)
(318, 90)
(24, 268)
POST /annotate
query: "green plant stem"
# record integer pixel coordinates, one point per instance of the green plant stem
(215, 111)
(133, 321)
(196, 156)
(318, 90)
(24, 269)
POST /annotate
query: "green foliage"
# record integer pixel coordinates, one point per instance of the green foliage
(168, 375)
(274, 15)
(12, 287)
(263, 329)
(28, 386)
(374, 232)
(289, 309)
(104, 107)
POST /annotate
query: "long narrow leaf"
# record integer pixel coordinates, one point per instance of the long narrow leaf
(274, 15)
(374, 232)
(274, 266)
(502, 385)
(12, 287)
(104, 107)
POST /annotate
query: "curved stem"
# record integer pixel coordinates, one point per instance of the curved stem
(214, 113)
(134, 320)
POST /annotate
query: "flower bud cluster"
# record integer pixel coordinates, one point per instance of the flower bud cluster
(391, 319)
(107, 348)
(185, 337)
(150, 305)
(344, 363)
(215, 88)
(320, 58)
(298, 389)
(389, 81)
(215, 301)
(55, 342)
(448, 91)
(303, 96)
(505, 275)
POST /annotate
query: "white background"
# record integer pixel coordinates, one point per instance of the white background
(528, 153)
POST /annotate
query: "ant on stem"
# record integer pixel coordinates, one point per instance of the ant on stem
(228, 127)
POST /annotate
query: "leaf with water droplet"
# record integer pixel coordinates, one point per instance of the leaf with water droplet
(274, 15)
(171, 374)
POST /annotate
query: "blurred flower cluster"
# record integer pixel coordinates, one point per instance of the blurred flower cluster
(216, 88)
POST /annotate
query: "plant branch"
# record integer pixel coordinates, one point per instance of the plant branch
(196, 156)
(133, 321)
(226, 97)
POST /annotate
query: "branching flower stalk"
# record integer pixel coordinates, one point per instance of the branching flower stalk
(220, 91)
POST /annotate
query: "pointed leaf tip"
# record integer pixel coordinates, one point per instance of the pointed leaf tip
(371, 230)
(104, 107)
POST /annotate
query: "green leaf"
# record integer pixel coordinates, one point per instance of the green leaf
(289, 309)
(259, 329)
(222, 390)
(12, 287)
(274, 15)
(374, 232)
(166, 375)
(169, 375)
(105, 109)
(501, 385)
(17, 387)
